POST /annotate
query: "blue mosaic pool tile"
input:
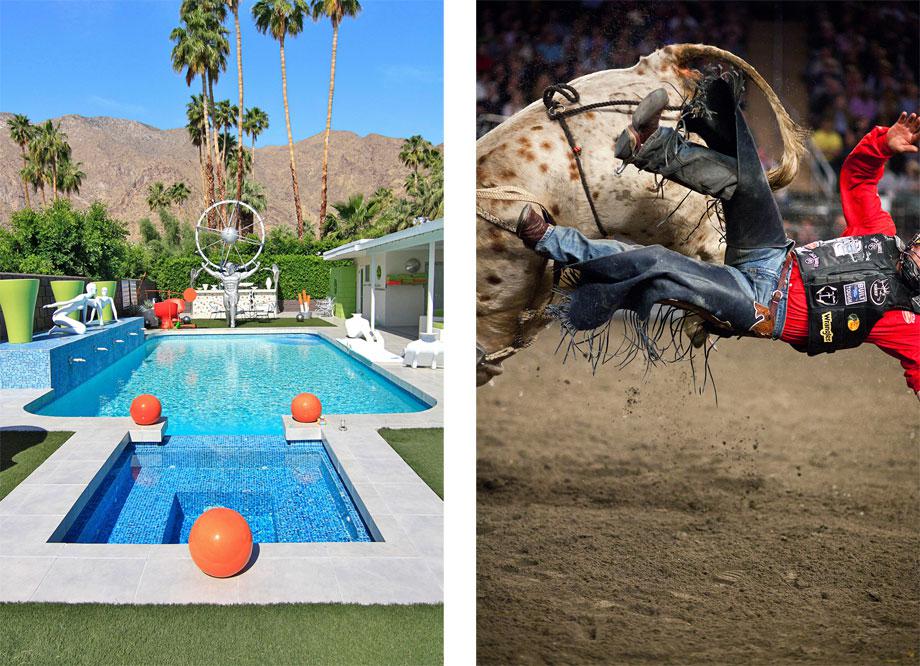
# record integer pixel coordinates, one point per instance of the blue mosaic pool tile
(48, 361)
(210, 384)
(154, 493)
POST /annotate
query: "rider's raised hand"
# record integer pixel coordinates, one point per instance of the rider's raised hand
(904, 135)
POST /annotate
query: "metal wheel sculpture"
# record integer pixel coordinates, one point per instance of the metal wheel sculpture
(227, 240)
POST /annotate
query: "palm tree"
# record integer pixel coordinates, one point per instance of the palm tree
(158, 196)
(70, 177)
(33, 173)
(232, 163)
(223, 112)
(383, 196)
(281, 18)
(205, 18)
(197, 131)
(51, 149)
(254, 123)
(335, 10)
(22, 132)
(254, 195)
(211, 15)
(178, 193)
(190, 54)
(235, 8)
(351, 217)
(415, 151)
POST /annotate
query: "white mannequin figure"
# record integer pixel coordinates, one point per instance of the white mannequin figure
(94, 305)
(98, 304)
(80, 302)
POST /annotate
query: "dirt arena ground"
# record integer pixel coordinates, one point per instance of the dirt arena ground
(625, 521)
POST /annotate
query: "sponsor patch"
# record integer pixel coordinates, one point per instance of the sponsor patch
(909, 317)
(852, 322)
(854, 292)
(811, 259)
(847, 246)
(879, 291)
(874, 245)
(827, 333)
(826, 295)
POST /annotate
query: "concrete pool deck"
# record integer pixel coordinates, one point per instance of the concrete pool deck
(405, 567)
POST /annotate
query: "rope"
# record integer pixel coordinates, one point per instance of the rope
(555, 110)
(504, 193)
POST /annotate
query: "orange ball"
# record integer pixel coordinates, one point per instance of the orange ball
(220, 542)
(189, 295)
(146, 409)
(306, 408)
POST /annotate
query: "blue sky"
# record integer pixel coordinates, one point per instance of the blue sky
(112, 58)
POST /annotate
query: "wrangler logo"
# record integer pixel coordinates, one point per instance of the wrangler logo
(826, 333)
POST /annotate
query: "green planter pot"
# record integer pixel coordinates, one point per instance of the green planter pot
(111, 285)
(17, 300)
(64, 290)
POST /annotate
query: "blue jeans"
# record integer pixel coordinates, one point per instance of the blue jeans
(756, 270)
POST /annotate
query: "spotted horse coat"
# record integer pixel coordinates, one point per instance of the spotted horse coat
(530, 151)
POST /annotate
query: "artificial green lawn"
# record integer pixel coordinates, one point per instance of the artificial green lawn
(423, 451)
(22, 451)
(264, 323)
(281, 634)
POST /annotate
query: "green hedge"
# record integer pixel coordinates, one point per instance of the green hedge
(305, 272)
(297, 272)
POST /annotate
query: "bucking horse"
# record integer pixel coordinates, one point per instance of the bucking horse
(558, 153)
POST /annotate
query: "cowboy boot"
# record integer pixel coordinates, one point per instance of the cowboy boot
(711, 112)
(531, 226)
(696, 167)
(643, 124)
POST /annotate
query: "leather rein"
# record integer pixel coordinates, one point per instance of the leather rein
(557, 112)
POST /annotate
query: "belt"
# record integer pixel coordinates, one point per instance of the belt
(782, 287)
(766, 322)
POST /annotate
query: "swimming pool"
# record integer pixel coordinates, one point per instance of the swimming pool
(234, 384)
(154, 493)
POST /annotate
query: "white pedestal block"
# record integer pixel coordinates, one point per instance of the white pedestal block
(295, 431)
(151, 434)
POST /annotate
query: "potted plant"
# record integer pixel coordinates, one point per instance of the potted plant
(17, 300)
(111, 286)
(64, 290)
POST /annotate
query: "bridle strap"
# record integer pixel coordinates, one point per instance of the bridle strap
(556, 111)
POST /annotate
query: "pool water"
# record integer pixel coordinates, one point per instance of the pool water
(234, 384)
(154, 493)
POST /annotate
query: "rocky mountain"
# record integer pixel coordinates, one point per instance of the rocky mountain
(122, 158)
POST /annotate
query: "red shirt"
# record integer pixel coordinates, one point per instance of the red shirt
(898, 331)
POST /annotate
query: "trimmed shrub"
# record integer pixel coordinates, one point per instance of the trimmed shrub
(298, 272)
(172, 274)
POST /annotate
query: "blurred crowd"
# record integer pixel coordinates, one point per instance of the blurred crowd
(862, 65)
(522, 47)
(862, 71)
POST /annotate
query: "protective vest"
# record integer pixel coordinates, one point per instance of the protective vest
(850, 282)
